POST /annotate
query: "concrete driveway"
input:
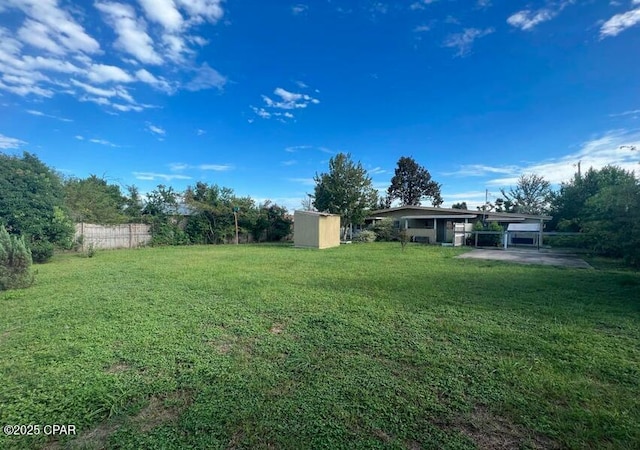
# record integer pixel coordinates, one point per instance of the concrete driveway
(544, 257)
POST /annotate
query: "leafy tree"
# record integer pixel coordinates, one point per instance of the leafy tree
(307, 203)
(604, 205)
(134, 204)
(346, 190)
(412, 183)
(569, 205)
(212, 220)
(32, 203)
(94, 200)
(15, 262)
(160, 212)
(612, 222)
(462, 205)
(273, 223)
(532, 195)
(384, 202)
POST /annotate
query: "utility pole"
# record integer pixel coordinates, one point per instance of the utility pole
(235, 216)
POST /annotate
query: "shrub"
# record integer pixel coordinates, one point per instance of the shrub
(403, 237)
(488, 240)
(365, 236)
(41, 251)
(384, 230)
(15, 262)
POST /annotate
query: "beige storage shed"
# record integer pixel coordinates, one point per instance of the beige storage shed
(315, 229)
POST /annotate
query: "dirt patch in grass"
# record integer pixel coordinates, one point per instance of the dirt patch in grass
(229, 343)
(163, 409)
(277, 328)
(384, 437)
(96, 438)
(492, 432)
(118, 367)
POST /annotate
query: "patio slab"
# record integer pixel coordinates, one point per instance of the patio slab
(529, 257)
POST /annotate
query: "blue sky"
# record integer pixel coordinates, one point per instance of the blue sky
(258, 95)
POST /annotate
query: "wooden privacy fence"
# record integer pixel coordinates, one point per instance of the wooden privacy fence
(129, 235)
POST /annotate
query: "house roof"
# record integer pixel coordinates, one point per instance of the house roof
(524, 227)
(502, 216)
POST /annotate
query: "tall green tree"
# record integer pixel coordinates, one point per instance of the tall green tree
(346, 189)
(161, 211)
(94, 200)
(32, 204)
(532, 195)
(134, 204)
(412, 183)
(461, 205)
(212, 219)
(603, 205)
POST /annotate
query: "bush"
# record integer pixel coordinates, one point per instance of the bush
(41, 251)
(384, 230)
(488, 240)
(365, 236)
(15, 262)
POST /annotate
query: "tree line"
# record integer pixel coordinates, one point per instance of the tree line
(603, 205)
(42, 206)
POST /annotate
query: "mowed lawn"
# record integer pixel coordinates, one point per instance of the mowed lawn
(361, 346)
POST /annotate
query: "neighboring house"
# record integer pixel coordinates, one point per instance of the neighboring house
(437, 225)
(313, 229)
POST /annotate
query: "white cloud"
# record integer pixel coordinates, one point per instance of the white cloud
(157, 82)
(421, 29)
(50, 20)
(7, 142)
(39, 35)
(304, 181)
(103, 142)
(527, 19)
(464, 41)
(281, 108)
(477, 170)
(34, 112)
(150, 176)
(156, 130)
(200, 132)
(100, 92)
(421, 4)
(78, 137)
(131, 31)
(203, 10)
(215, 167)
(180, 167)
(289, 162)
(610, 148)
(620, 22)
(633, 112)
(299, 9)
(163, 12)
(206, 78)
(101, 73)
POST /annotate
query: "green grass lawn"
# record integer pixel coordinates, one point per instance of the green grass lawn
(361, 346)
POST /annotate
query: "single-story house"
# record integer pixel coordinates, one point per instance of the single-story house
(312, 229)
(438, 225)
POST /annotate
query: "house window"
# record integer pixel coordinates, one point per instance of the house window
(428, 224)
(396, 224)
